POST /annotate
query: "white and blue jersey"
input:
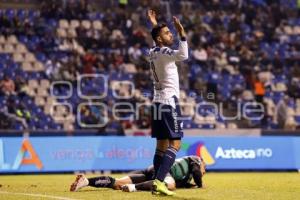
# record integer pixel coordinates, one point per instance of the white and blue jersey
(165, 73)
(165, 110)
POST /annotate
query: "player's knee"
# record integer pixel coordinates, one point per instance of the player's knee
(176, 145)
(162, 145)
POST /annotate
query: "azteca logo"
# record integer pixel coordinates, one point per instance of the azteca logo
(233, 153)
(200, 150)
(20, 159)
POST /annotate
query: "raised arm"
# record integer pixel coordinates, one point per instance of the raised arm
(182, 53)
(152, 17)
(179, 28)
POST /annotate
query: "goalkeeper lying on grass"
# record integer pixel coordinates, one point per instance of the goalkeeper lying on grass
(180, 176)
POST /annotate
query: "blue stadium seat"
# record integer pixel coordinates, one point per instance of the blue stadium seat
(18, 126)
(206, 126)
(277, 96)
(5, 57)
(10, 13)
(52, 23)
(206, 19)
(99, 15)
(291, 104)
(297, 119)
(35, 39)
(187, 124)
(245, 28)
(23, 39)
(41, 57)
(22, 13)
(2, 66)
(280, 79)
(33, 14)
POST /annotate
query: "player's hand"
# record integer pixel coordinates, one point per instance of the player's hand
(179, 27)
(152, 17)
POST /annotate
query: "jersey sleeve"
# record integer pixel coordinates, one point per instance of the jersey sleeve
(177, 55)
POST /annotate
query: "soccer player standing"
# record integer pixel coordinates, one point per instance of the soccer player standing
(166, 127)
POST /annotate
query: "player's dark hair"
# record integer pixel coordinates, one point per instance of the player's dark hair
(156, 30)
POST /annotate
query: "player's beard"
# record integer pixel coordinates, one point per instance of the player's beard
(168, 43)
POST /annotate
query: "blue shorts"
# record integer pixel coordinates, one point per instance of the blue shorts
(165, 123)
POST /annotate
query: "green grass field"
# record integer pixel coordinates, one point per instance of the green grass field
(221, 186)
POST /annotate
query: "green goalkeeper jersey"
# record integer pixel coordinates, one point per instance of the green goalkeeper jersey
(186, 168)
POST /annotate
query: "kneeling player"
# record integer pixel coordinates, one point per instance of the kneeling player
(180, 176)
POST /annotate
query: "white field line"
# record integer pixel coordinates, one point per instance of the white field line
(36, 195)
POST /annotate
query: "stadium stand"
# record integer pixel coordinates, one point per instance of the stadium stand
(54, 64)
